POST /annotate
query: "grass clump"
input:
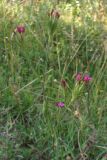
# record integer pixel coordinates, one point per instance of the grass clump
(53, 80)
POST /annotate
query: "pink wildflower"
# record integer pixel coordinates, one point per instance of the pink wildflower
(60, 104)
(79, 77)
(20, 29)
(87, 78)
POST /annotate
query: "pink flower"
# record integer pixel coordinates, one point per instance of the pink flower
(79, 77)
(60, 104)
(87, 78)
(20, 29)
(63, 83)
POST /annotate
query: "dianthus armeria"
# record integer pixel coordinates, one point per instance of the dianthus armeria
(87, 78)
(20, 29)
(60, 104)
(79, 77)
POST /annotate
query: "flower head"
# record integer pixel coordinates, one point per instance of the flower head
(87, 78)
(20, 29)
(60, 104)
(63, 83)
(79, 77)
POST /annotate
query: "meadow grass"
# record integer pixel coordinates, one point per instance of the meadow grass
(38, 69)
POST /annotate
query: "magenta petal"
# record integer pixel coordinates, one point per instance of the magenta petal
(79, 77)
(87, 78)
(60, 104)
(21, 29)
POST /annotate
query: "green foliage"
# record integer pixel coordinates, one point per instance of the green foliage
(32, 65)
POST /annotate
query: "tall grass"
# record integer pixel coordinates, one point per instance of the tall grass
(32, 67)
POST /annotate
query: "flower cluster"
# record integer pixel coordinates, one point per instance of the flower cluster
(85, 78)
